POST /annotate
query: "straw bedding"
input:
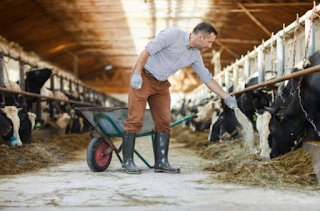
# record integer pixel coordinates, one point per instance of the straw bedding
(42, 152)
(231, 163)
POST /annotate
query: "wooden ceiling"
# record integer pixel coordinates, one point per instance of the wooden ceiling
(104, 32)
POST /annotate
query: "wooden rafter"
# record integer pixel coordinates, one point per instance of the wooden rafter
(116, 75)
(124, 76)
(254, 19)
(105, 77)
(278, 4)
(227, 49)
(228, 40)
(99, 80)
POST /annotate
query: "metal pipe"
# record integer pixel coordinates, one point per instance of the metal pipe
(280, 60)
(260, 65)
(220, 79)
(18, 59)
(52, 84)
(309, 32)
(1, 70)
(287, 30)
(226, 79)
(283, 78)
(21, 75)
(84, 91)
(42, 96)
(246, 68)
(235, 77)
(61, 84)
(78, 89)
(280, 56)
(70, 86)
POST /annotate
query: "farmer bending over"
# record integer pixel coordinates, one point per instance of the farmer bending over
(168, 52)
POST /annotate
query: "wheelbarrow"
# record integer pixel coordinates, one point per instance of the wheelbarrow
(108, 123)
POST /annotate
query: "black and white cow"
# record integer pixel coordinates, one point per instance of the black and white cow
(227, 126)
(204, 113)
(284, 124)
(35, 79)
(21, 123)
(5, 126)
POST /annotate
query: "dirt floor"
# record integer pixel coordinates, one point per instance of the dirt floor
(52, 174)
(230, 161)
(72, 186)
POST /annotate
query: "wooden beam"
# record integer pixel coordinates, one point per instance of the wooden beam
(254, 19)
(99, 80)
(227, 49)
(230, 40)
(125, 77)
(277, 4)
(105, 77)
(116, 74)
(250, 10)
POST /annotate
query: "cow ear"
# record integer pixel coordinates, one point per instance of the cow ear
(19, 109)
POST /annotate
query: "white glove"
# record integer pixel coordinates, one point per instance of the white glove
(136, 80)
(231, 102)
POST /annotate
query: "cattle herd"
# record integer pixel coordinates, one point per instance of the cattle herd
(17, 121)
(281, 118)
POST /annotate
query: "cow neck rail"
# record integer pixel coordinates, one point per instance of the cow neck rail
(301, 73)
(46, 97)
(19, 59)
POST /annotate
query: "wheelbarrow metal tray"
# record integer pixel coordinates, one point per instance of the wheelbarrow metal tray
(118, 116)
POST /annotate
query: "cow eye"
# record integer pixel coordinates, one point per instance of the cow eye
(281, 119)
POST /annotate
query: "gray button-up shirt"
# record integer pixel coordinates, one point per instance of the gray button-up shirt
(169, 52)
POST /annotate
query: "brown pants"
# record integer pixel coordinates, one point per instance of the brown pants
(157, 94)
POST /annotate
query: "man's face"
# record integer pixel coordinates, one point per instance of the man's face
(205, 42)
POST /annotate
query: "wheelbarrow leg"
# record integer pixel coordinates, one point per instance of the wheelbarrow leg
(127, 149)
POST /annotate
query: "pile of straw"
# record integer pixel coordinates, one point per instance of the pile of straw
(231, 163)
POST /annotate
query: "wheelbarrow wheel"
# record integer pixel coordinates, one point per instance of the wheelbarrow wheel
(96, 159)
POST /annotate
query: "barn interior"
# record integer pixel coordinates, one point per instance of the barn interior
(92, 47)
(99, 41)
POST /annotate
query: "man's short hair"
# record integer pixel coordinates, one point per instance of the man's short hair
(205, 28)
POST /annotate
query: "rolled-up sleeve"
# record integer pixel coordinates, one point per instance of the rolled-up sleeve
(201, 70)
(162, 40)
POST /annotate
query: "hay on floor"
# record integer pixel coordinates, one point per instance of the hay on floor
(232, 164)
(42, 152)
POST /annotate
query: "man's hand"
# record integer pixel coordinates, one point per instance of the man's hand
(231, 102)
(136, 80)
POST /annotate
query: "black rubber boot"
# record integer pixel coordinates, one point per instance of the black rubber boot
(127, 152)
(161, 147)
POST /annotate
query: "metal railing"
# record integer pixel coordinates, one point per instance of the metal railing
(230, 75)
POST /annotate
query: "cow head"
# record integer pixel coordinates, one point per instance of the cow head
(287, 126)
(229, 125)
(11, 113)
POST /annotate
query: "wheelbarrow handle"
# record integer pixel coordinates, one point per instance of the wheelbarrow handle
(182, 120)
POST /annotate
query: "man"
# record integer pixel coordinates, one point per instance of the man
(170, 51)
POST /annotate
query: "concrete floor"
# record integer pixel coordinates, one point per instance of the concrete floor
(73, 186)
